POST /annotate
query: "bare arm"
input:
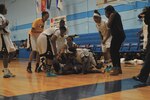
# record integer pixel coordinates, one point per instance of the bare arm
(53, 39)
(108, 35)
(63, 49)
(37, 27)
(100, 35)
(35, 31)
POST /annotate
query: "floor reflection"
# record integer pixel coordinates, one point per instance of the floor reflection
(79, 92)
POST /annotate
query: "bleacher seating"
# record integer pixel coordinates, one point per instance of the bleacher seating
(131, 43)
(93, 40)
(23, 53)
(84, 39)
(125, 48)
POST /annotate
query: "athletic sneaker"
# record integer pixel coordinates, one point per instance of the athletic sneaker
(50, 71)
(108, 69)
(8, 74)
(29, 68)
(49, 74)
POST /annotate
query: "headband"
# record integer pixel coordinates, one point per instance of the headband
(96, 15)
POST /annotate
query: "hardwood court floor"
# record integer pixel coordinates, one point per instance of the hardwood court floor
(37, 86)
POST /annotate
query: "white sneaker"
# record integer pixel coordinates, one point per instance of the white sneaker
(8, 74)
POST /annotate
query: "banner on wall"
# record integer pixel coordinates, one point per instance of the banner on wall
(43, 5)
(54, 22)
(59, 4)
(38, 8)
(99, 3)
(49, 4)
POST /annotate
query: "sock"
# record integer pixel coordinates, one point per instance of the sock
(29, 64)
(6, 71)
(109, 64)
(37, 64)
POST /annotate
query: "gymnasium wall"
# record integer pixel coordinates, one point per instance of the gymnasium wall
(79, 14)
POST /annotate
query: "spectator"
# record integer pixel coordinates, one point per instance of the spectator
(145, 71)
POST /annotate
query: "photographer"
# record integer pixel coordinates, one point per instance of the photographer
(144, 31)
(144, 73)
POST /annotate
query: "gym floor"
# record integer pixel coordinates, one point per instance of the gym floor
(37, 86)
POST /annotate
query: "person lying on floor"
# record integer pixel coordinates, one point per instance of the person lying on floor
(75, 60)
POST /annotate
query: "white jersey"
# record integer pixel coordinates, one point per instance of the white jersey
(51, 31)
(145, 33)
(102, 27)
(6, 35)
(60, 40)
(85, 52)
(42, 40)
(2, 21)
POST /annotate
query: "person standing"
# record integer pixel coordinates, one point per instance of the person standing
(105, 36)
(144, 29)
(145, 71)
(37, 28)
(47, 47)
(118, 36)
(6, 45)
